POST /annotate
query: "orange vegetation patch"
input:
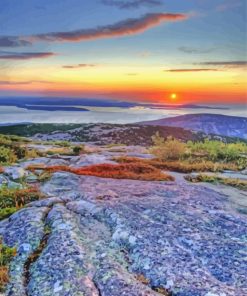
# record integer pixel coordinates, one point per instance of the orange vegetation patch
(180, 166)
(4, 277)
(134, 171)
(1, 170)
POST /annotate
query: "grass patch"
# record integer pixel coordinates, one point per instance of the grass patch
(6, 255)
(14, 148)
(45, 176)
(237, 183)
(200, 152)
(17, 198)
(180, 166)
(134, 171)
(6, 212)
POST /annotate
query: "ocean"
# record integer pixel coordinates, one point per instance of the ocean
(13, 114)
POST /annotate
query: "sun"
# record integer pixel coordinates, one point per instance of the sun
(173, 97)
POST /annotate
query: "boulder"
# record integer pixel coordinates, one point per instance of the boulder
(15, 173)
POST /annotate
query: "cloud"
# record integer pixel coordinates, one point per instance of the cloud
(12, 41)
(131, 3)
(5, 82)
(79, 66)
(144, 54)
(228, 5)
(190, 70)
(192, 50)
(5, 55)
(229, 64)
(127, 27)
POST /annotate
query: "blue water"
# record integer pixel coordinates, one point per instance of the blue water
(12, 114)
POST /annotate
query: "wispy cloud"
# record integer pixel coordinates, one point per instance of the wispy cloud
(13, 41)
(6, 82)
(192, 50)
(229, 64)
(127, 27)
(190, 70)
(131, 26)
(130, 4)
(77, 66)
(132, 74)
(228, 5)
(5, 55)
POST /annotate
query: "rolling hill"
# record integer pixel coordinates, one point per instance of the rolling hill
(223, 125)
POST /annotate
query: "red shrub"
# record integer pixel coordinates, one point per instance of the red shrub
(135, 171)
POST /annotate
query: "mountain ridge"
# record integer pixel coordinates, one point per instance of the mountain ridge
(223, 125)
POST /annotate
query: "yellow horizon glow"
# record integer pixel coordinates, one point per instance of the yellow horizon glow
(151, 80)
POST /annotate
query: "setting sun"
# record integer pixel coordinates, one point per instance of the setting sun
(173, 97)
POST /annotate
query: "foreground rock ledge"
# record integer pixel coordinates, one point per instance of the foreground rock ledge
(103, 234)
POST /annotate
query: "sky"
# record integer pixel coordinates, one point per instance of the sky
(176, 51)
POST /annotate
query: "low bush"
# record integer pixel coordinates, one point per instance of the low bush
(181, 166)
(135, 171)
(77, 150)
(45, 176)
(6, 255)
(61, 143)
(238, 183)
(167, 149)
(13, 148)
(18, 198)
(217, 151)
(6, 212)
(7, 155)
(32, 153)
(171, 149)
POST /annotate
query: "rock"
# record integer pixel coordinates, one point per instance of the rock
(14, 185)
(24, 248)
(3, 181)
(31, 178)
(110, 194)
(15, 173)
(102, 236)
(244, 172)
(90, 159)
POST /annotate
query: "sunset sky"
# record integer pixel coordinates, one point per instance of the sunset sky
(175, 51)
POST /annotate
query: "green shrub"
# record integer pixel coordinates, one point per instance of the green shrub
(7, 155)
(171, 149)
(216, 150)
(214, 179)
(18, 197)
(167, 149)
(6, 212)
(78, 149)
(6, 255)
(61, 143)
(45, 176)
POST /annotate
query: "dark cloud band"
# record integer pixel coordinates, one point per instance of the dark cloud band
(130, 4)
(190, 70)
(78, 66)
(225, 63)
(9, 41)
(24, 55)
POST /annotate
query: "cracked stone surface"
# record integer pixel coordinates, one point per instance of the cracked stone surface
(24, 230)
(184, 238)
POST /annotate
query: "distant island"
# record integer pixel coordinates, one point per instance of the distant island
(52, 108)
(38, 103)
